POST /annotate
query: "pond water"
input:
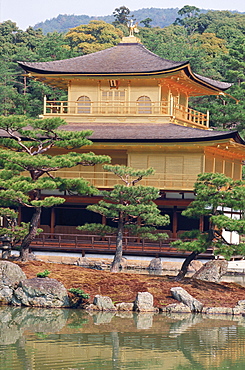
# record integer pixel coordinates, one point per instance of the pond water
(50, 339)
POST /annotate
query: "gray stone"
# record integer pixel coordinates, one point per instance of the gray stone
(195, 265)
(10, 276)
(155, 264)
(144, 302)
(218, 310)
(212, 271)
(103, 303)
(124, 306)
(184, 297)
(176, 308)
(41, 292)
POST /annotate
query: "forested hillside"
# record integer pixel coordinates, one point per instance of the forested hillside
(62, 23)
(213, 42)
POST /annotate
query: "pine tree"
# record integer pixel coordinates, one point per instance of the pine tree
(10, 232)
(27, 168)
(215, 193)
(131, 207)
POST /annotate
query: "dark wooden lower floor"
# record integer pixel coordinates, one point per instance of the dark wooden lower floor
(106, 245)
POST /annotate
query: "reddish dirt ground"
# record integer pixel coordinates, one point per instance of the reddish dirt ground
(123, 287)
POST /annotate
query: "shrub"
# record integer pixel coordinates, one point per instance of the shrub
(79, 293)
(43, 274)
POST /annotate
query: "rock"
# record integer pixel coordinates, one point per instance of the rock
(41, 292)
(218, 310)
(103, 303)
(124, 263)
(212, 271)
(184, 297)
(144, 302)
(124, 306)
(10, 276)
(155, 264)
(195, 265)
(176, 308)
(239, 308)
(91, 307)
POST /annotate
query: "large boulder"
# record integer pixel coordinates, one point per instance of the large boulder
(184, 297)
(144, 302)
(40, 292)
(10, 276)
(212, 271)
(103, 303)
(155, 264)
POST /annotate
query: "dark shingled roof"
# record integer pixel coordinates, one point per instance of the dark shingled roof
(123, 59)
(168, 132)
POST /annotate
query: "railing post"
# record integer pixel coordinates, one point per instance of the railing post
(207, 122)
(171, 106)
(45, 104)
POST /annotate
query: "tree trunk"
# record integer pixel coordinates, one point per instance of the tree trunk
(119, 247)
(24, 249)
(184, 267)
(6, 250)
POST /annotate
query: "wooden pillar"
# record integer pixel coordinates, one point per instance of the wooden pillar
(19, 216)
(201, 224)
(52, 221)
(175, 222)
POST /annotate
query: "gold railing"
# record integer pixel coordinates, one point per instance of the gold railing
(100, 108)
(108, 180)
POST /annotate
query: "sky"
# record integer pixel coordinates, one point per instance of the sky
(29, 12)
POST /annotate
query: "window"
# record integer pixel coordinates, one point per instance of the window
(83, 105)
(113, 95)
(144, 105)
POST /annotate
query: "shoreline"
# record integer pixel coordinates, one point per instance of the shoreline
(121, 287)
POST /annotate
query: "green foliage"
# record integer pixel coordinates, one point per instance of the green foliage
(43, 274)
(215, 194)
(11, 232)
(79, 293)
(130, 206)
(27, 169)
(122, 15)
(95, 36)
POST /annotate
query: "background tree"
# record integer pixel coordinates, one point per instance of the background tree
(11, 233)
(122, 15)
(131, 207)
(189, 16)
(146, 22)
(214, 193)
(28, 168)
(96, 36)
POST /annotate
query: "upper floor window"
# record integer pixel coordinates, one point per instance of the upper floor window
(114, 95)
(144, 105)
(83, 105)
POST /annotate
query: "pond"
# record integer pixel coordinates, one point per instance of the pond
(51, 339)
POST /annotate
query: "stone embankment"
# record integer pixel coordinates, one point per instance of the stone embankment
(17, 290)
(97, 263)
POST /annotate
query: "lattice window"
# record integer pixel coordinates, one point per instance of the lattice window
(83, 105)
(114, 95)
(144, 105)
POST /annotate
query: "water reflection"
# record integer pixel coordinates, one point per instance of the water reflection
(50, 339)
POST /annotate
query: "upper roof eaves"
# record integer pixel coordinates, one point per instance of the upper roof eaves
(123, 59)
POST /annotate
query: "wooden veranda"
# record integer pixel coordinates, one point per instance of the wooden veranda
(95, 244)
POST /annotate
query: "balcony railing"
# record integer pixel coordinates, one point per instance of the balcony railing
(126, 108)
(108, 180)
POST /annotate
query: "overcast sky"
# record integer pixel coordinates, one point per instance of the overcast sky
(29, 12)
